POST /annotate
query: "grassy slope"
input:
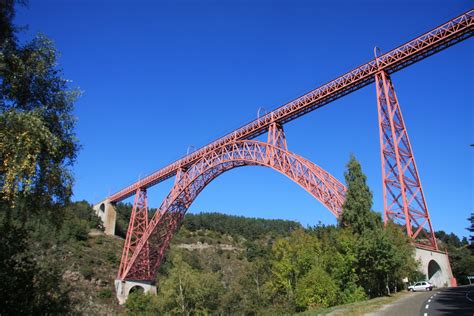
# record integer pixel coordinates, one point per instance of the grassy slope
(90, 266)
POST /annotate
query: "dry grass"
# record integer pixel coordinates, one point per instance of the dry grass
(359, 308)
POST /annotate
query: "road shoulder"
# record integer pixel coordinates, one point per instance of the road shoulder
(407, 305)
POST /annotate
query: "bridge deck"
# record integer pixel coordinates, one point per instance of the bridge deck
(448, 34)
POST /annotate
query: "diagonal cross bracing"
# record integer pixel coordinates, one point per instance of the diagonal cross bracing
(446, 35)
(142, 262)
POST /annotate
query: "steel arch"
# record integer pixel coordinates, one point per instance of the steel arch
(142, 262)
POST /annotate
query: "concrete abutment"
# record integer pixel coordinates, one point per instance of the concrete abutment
(435, 266)
(124, 288)
(106, 211)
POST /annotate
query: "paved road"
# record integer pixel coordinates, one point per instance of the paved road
(457, 301)
(408, 305)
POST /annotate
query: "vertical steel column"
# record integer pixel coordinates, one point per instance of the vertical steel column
(404, 201)
(136, 228)
(277, 138)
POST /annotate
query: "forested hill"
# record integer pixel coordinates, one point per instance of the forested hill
(247, 227)
(228, 264)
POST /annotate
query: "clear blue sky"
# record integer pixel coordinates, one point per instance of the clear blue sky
(159, 76)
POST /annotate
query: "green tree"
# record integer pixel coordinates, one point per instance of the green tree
(37, 148)
(357, 209)
(471, 229)
(251, 288)
(7, 28)
(291, 259)
(462, 263)
(460, 254)
(27, 288)
(316, 289)
(37, 138)
(187, 290)
(385, 257)
(139, 303)
(340, 256)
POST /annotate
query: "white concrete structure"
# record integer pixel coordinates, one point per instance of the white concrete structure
(124, 288)
(435, 266)
(106, 211)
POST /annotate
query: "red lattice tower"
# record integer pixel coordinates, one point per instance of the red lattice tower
(404, 201)
(136, 228)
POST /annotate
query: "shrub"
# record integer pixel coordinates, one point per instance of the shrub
(74, 229)
(105, 293)
(316, 289)
(141, 304)
(86, 271)
(112, 257)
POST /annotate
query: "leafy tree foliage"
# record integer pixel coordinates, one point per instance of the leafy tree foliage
(450, 240)
(6, 18)
(316, 289)
(141, 304)
(187, 290)
(462, 263)
(36, 124)
(385, 258)
(26, 288)
(292, 259)
(471, 229)
(250, 228)
(357, 209)
(384, 255)
(37, 147)
(460, 256)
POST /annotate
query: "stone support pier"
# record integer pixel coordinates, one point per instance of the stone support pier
(435, 266)
(106, 211)
(124, 288)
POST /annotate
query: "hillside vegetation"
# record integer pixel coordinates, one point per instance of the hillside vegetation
(55, 259)
(78, 263)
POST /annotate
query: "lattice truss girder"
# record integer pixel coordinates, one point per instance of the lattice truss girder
(404, 201)
(189, 183)
(144, 248)
(446, 35)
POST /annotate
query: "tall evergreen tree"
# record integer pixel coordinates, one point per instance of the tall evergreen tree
(471, 229)
(357, 209)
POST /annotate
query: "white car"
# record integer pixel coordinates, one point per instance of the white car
(421, 286)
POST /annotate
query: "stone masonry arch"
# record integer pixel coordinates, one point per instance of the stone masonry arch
(435, 266)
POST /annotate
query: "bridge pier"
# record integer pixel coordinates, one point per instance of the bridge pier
(106, 211)
(435, 266)
(124, 288)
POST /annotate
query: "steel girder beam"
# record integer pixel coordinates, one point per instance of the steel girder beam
(446, 35)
